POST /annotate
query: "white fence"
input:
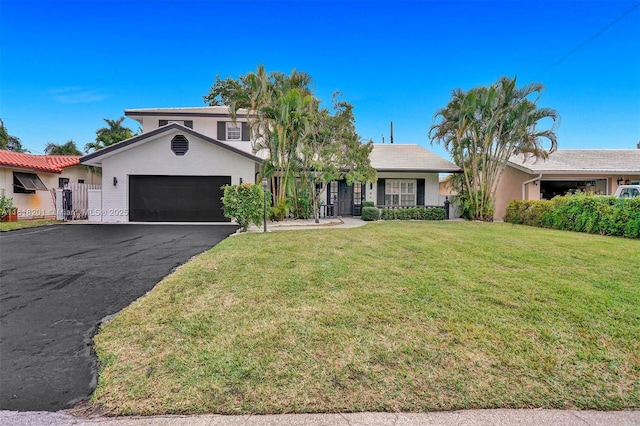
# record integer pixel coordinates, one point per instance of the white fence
(79, 200)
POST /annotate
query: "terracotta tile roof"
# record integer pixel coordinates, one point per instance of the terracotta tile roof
(43, 163)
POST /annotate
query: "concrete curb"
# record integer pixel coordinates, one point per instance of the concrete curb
(533, 417)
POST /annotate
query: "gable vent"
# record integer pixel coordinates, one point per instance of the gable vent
(179, 145)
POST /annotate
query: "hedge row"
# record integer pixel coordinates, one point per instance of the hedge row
(411, 213)
(581, 213)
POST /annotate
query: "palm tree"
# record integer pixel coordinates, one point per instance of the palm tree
(68, 148)
(484, 127)
(113, 133)
(279, 107)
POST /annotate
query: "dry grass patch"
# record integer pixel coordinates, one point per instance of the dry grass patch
(388, 317)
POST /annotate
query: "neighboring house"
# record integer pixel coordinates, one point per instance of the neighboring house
(28, 179)
(174, 170)
(597, 171)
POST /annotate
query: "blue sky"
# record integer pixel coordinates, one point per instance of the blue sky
(66, 65)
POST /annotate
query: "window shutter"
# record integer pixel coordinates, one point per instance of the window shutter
(245, 132)
(381, 192)
(222, 131)
(420, 194)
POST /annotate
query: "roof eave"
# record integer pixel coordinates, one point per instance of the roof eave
(438, 170)
(32, 169)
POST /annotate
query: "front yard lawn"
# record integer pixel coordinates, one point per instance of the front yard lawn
(10, 226)
(408, 316)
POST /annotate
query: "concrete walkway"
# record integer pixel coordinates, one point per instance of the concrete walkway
(531, 417)
(299, 224)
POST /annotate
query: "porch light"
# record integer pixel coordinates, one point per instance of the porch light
(115, 181)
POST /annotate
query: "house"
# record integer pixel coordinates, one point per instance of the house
(597, 171)
(174, 170)
(29, 179)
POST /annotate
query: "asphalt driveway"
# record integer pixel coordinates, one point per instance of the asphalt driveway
(59, 282)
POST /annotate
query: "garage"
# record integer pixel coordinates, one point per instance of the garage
(176, 198)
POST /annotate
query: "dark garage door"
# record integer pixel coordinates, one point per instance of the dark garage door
(176, 198)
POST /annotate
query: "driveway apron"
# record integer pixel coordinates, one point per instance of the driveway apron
(59, 282)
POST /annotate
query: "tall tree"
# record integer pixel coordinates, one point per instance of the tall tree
(484, 127)
(68, 148)
(9, 142)
(333, 150)
(114, 132)
(279, 108)
(303, 144)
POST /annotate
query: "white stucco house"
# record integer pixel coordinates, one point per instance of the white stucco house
(31, 180)
(174, 170)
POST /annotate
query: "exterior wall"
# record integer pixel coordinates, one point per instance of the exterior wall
(431, 186)
(613, 182)
(206, 125)
(95, 205)
(510, 187)
(155, 157)
(41, 204)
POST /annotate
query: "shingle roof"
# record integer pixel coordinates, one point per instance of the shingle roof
(408, 157)
(567, 161)
(43, 163)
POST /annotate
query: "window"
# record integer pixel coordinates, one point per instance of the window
(80, 180)
(629, 193)
(27, 183)
(333, 193)
(62, 182)
(357, 194)
(234, 131)
(400, 192)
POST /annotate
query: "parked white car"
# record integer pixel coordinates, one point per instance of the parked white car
(628, 191)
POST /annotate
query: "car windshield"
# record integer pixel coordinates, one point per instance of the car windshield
(629, 192)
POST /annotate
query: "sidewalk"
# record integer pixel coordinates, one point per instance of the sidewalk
(533, 417)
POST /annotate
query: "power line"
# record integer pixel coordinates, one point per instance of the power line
(611, 24)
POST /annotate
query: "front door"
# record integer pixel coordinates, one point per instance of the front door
(345, 198)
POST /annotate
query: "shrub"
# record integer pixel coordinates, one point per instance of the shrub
(302, 205)
(413, 213)
(388, 214)
(244, 203)
(581, 213)
(368, 204)
(280, 210)
(433, 213)
(370, 213)
(6, 204)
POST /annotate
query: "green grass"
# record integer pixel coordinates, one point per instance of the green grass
(389, 317)
(10, 226)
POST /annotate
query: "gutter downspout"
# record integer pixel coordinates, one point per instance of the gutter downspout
(526, 182)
